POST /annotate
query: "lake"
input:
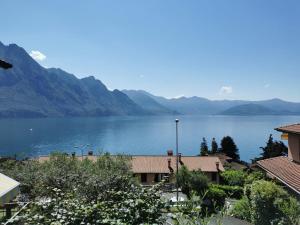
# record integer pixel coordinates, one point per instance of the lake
(135, 135)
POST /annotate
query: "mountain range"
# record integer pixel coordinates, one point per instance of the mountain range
(30, 90)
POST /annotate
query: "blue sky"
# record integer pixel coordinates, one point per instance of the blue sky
(234, 49)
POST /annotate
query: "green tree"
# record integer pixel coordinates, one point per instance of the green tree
(234, 177)
(229, 148)
(273, 148)
(204, 148)
(266, 204)
(192, 181)
(214, 146)
(183, 179)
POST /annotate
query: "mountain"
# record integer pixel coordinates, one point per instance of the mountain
(143, 99)
(30, 90)
(203, 106)
(248, 110)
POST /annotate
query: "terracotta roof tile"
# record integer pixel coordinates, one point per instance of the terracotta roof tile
(284, 169)
(293, 128)
(159, 164)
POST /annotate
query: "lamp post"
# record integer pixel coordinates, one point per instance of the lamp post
(177, 121)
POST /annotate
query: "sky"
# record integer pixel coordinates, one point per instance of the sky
(233, 49)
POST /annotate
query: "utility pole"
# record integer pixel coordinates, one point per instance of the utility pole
(177, 121)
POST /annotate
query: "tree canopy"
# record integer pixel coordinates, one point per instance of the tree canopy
(229, 148)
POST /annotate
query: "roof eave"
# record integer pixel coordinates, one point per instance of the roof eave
(281, 180)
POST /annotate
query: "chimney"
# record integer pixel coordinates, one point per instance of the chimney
(218, 166)
(169, 166)
(170, 152)
(90, 153)
(179, 159)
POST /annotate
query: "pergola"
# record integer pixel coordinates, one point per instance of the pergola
(9, 189)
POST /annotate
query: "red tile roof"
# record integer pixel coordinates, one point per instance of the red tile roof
(284, 170)
(159, 164)
(293, 128)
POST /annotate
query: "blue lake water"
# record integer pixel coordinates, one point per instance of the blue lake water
(135, 135)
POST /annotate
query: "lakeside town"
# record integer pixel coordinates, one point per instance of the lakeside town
(213, 187)
(150, 112)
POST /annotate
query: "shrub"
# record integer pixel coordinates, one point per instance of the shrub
(192, 181)
(231, 191)
(254, 176)
(216, 196)
(64, 190)
(242, 210)
(272, 205)
(234, 177)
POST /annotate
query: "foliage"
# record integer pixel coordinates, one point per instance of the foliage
(230, 191)
(69, 191)
(234, 177)
(204, 148)
(214, 146)
(268, 204)
(192, 181)
(216, 196)
(254, 176)
(191, 212)
(273, 149)
(229, 148)
(242, 210)
(133, 206)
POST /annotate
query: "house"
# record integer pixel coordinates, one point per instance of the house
(151, 169)
(286, 168)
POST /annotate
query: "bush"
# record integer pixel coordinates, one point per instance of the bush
(242, 209)
(254, 176)
(271, 204)
(64, 190)
(216, 196)
(267, 204)
(192, 181)
(231, 191)
(234, 177)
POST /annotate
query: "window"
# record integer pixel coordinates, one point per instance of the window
(214, 177)
(143, 177)
(157, 177)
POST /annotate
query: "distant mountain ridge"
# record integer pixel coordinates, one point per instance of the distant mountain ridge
(30, 90)
(202, 106)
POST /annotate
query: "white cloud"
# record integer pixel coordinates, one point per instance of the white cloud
(226, 90)
(267, 85)
(141, 75)
(37, 55)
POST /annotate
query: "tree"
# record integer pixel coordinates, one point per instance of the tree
(192, 181)
(234, 177)
(229, 148)
(267, 204)
(214, 146)
(204, 148)
(273, 148)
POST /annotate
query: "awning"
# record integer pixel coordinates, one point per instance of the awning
(9, 189)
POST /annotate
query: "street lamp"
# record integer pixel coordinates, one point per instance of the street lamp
(177, 121)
